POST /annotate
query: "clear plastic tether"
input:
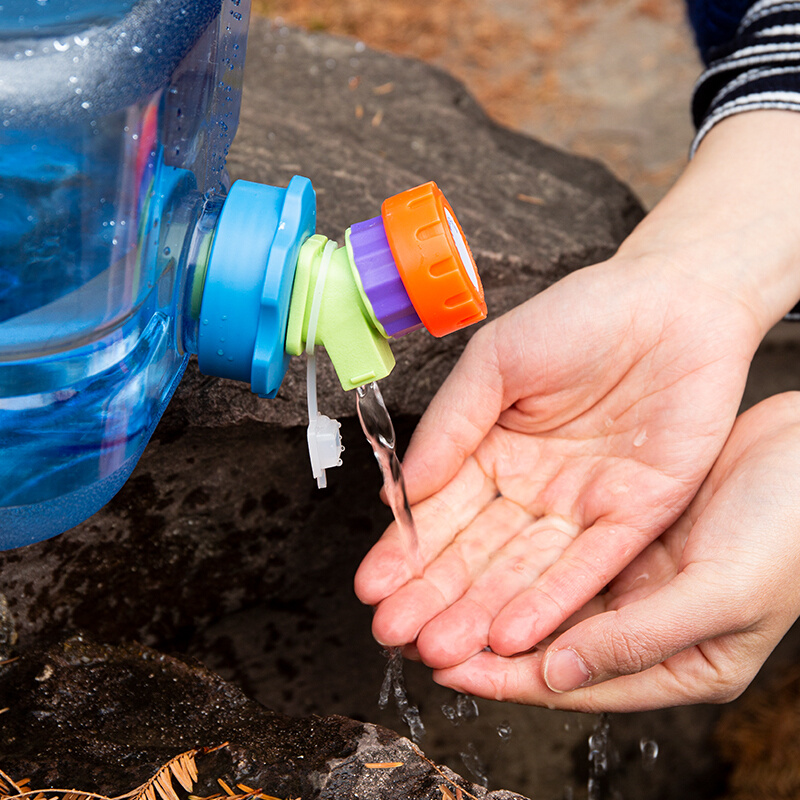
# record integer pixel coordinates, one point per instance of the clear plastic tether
(324, 437)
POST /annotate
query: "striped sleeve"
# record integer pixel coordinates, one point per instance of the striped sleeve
(759, 68)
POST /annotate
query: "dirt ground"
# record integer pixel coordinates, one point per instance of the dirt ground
(611, 79)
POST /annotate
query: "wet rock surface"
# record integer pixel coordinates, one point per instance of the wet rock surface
(106, 719)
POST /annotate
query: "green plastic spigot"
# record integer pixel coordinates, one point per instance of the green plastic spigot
(409, 268)
(347, 327)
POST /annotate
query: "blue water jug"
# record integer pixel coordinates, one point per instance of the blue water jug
(115, 121)
(123, 247)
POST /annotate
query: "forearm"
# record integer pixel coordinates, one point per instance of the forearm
(732, 220)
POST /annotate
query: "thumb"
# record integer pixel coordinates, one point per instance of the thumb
(640, 635)
(458, 418)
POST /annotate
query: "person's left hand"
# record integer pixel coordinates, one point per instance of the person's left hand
(694, 617)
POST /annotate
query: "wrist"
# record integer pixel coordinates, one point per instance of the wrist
(732, 220)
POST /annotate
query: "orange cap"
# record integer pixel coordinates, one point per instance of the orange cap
(433, 259)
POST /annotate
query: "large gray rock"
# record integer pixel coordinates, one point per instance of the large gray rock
(220, 545)
(363, 126)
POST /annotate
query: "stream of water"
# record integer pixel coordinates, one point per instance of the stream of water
(377, 426)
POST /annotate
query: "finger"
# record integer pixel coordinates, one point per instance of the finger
(688, 677)
(462, 629)
(581, 572)
(437, 520)
(401, 615)
(640, 635)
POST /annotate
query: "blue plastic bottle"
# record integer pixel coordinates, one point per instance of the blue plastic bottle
(124, 249)
(115, 121)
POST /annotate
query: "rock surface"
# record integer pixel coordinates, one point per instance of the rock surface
(222, 511)
(363, 126)
(106, 719)
(220, 545)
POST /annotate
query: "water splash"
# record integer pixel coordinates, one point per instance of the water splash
(601, 755)
(475, 764)
(394, 686)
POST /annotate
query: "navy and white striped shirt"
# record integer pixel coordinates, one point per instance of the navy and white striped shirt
(752, 55)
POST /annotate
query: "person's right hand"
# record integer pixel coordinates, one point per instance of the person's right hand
(578, 427)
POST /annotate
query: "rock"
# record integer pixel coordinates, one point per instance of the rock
(220, 545)
(106, 719)
(222, 510)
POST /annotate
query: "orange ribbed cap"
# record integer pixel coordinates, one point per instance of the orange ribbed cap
(433, 259)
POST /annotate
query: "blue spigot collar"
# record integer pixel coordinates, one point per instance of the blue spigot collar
(249, 280)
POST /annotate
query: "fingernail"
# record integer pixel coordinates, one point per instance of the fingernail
(565, 670)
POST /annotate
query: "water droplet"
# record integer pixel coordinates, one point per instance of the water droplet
(136, 49)
(467, 708)
(86, 105)
(504, 730)
(220, 352)
(29, 52)
(166, 251)
(61, 46)
(449, 713)
(73, 78)
(649, 750)
(360, 47)
(474, 763)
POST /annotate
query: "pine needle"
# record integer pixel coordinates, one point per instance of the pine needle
(7, 786)
(163, 784)
(159, 787)
(462, 792)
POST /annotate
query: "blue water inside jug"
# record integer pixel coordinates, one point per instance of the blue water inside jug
(115, 123)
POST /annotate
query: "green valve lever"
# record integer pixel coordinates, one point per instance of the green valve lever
(411, 267)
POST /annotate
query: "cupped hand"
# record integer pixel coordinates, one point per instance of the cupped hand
(572, 432)
(693, 618)
(578, 427)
